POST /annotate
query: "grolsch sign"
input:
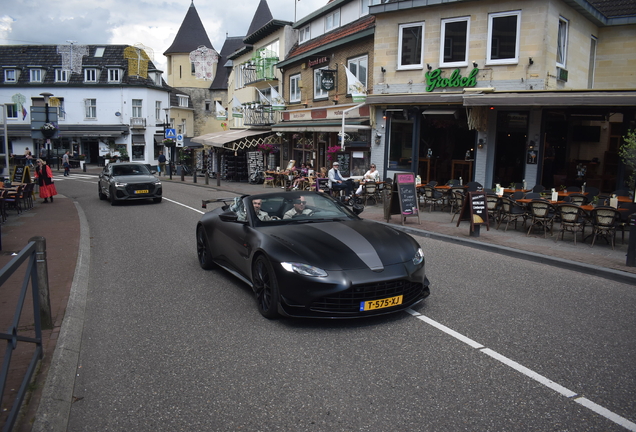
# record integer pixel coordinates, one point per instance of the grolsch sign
(327, 80)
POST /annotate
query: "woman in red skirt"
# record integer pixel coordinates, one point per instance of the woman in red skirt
(44, 176)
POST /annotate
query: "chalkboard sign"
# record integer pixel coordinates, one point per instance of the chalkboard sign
(345, 164)
(475, 210)
(404, 200)
(21, 175)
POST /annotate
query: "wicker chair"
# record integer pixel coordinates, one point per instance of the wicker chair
(432, 197)
(456, 201)
(572, 220)
(511, 212)
(541, 215)
(605, 220)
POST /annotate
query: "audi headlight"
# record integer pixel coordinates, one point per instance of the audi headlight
(419, 257)
(158, 183)
(304, 269)
(120, 184)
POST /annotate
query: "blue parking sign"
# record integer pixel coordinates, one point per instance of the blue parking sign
(171, 133)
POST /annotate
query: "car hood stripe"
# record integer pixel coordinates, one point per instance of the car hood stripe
(354, 241)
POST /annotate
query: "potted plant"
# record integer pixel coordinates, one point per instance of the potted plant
(168, 142)
(48, 129)
(106, 158)
(82, 159)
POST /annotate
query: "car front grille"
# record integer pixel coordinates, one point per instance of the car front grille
(349, 301)
(131, 188)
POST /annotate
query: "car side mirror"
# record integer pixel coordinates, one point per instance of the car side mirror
(357, 209)
(230, 216)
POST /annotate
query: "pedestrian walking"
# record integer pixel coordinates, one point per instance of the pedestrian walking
(28, 157)
(162, 163)
(66, 164)
(44, 177)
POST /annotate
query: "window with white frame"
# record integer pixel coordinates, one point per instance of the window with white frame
(10, 76)
(411, 46)
(90, 75)
(503, 37)
(35, 75)
(364, 7)
(183, 100)
(562, 42)
(319, 93)
(114, 75)
(91, 108)
(12, 111)
(359, 66)
(454, 37)
(61, 75)
(294, 88)
(158, 110)
(332, 20)
(137, 106)
(304, 34)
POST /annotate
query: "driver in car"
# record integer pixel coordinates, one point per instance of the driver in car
(299, 209)
(262, 215)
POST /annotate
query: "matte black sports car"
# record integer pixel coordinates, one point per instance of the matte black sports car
(307, 255)
(128, 181)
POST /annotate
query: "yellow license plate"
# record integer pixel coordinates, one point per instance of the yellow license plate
(379, 304)
(141, 191)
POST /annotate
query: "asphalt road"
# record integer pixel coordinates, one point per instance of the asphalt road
(501, 343)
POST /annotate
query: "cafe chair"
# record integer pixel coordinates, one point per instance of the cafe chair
(605, 220)
(268, 181)
(532, 195)
(370, 191)
(591, 192)
(473, 186)
(452, 182)
(432, 183)
(541, 216)
(624, 222)
(492, 202)
(27, 196)
(518, 186)
(578, 199)
(516, 195)
(538, 188)
(511, 212)
(573, 189)
(572, 220)
(621, 192)
(432, 197)
(3, 206)
(456, 201)
(14, 199)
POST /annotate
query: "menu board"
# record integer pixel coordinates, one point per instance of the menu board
(475, 210)
(345, 164)
(404, 200)
(21, 174)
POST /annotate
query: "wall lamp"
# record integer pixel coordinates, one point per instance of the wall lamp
(475, 64)
(480, 143)
(382, 69)
(530, 61)
(428, 66)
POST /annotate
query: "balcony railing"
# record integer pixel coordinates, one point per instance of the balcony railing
(138, 122)
(260, 115)
(260, 69)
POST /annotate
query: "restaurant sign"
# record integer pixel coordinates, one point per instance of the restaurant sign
(434, 79)
(327, 80)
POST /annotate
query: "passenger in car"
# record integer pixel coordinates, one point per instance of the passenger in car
(298, 209)
(262, 215)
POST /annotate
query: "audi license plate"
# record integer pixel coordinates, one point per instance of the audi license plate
(379, 304)
(141, 191)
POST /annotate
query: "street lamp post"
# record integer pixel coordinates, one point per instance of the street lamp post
(166, 125)
(47, 143)
(6, 137)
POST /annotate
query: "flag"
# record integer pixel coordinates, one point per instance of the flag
(237, 108)
(264, 99)
(355, 88)
(24, 112)
(278, 103)
(221, 113)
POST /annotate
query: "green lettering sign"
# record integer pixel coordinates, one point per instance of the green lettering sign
(434, 79)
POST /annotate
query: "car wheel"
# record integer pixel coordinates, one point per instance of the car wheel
(266, 287)
(101, 194)
(203, 251)
(157, 200)
(112, 196)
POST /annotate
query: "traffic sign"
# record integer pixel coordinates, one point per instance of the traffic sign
(179, 140)
(171, 133)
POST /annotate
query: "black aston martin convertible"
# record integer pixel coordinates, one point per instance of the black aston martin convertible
(307, 255)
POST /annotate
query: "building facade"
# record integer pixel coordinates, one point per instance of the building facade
(504, 91)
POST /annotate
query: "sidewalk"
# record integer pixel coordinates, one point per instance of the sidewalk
(62, 223)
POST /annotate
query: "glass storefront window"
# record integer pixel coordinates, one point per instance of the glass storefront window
(401, 145)
(138, 152)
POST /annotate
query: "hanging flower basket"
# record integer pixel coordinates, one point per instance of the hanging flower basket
(168, 142)
(48, 130)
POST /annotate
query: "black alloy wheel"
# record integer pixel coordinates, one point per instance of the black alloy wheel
(266, 288)
(99, 191)
(203, 251)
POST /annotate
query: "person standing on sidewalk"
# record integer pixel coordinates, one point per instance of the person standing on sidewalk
(162, 163)
(44, 176)
(66, 164)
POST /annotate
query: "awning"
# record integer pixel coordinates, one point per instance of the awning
(138, 140)
(321, 126)
(220, 139)
(437, 98)
(564, 98)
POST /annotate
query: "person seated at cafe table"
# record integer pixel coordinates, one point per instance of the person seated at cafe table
(372, 175)
(298, 209)
(337, 183)
(262, 215)
(301, 177)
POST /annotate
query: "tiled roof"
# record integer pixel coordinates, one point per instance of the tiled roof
(362, 24)
(191, 34)
(222, 73)
(615, 8)
(261, 17)
(25, 57)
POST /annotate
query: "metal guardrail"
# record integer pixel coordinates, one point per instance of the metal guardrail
(36, 274)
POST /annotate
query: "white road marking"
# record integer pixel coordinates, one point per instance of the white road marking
(530, 373)
(183, 205)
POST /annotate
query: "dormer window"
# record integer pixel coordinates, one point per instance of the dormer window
(10, 76)
(114, 75)
(90, 75)
(332, 21)
(158, 79)
(304, 34)
(183, 100)
(61, 75)
(35, 75)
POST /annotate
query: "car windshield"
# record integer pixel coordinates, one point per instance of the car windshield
(295, 207)
(126, 170)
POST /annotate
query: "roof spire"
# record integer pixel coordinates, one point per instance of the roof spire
(191, 34)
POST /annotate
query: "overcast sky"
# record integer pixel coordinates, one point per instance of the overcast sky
(153, 24)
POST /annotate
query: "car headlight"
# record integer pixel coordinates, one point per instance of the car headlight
(157, 183)
(120, 184)
(303, 269)
(419, 257)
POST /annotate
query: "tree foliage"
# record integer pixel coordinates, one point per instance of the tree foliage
(627, 153)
